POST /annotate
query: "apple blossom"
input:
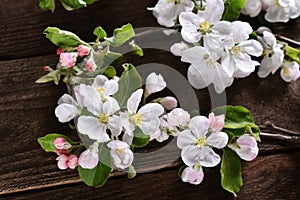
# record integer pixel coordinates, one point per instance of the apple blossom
(121, 153)
(216, 123)
(196, 143)
(90, 66)
(168, 102)
(193, 174)
(290, 71)
(105, 87)
(61, 143)
(83, 50)
(167, 11)
(65, 162)
(272, 56)
(164, 131)
(281, 10)
(178, 118)
(154, 83)
(245, 147)
(67, 60)
(59, 51)
(89, 158)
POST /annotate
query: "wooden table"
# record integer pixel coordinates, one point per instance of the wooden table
(27, 112)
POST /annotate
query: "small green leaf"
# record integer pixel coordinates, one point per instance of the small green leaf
(129, 82)
(98, 175)
(112, 58)
(47, 4)
(231, 172)
(139, 138)
(89, 1)
(73, 4)
(136, 50)
(253, 36)
(63, 38)
(292, 53)
(131, 172)
(46, 142)
(121, 35)
(100, 33)
(110, 72)
(51, 76)
(232, 9)
(181, 170)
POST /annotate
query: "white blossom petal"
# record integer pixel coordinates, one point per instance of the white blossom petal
(65, 112)
(134, 101)
(185, 138)
(199, 126)
(111, 87)
(210, 159)
(190, 155)
(218, 139)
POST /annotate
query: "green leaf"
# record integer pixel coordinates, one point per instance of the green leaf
(231, 172)
(131, 172)
(232, 9)
(136, 50)
(73, 4)
(292, 53)
(63, 38)
(238, 119)
(181, 170)
(89, 1)
(139, 138)
(100, 33)
(129, 82)
(112, 58)
(47, 4)
(110, 72)
(98, 175)
(46, 142)
(121, 35)
(51, 76)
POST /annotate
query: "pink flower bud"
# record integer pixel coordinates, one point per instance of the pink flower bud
(216, 122)
(168, 103)
(154, 83)
(45, 68)
(90, 66)
(72, 161)
(67, 59)
(245, 147)
(61, 143)
(193, 175)
(59, 51)
(83, 50)
(62, 162)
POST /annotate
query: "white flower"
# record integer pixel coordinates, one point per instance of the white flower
(205, 69)
(194, 26)
(95, 126)
(167, 11)
(146, 118)
(178, 118)
(178, 48)
(273, 55)
(237, 57)
(168, 102)
(197, 142)
(164, 131)
(281, 10)
(89, 158)
(252, 7)
(290, 71)
(68, 108)
(193, 175)
(154, 83)
(105, 87)
(245, 147)
(121, 153)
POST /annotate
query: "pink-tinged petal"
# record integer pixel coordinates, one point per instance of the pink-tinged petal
(134, 101)
(178, 117)
(120, 153)
(65, 112)
(91, 127)
(117, 144)
(62, 162)
(111, 87)
(67, 59)
(90, 66)
(72, 161)
(60, 143)
(216, 122)
(192, 175)
(88, 160)
(185, 138)
(154, 83)
(154, 109)
(199, 126)
(210, 158)
(190, 155)
(168, 103)
(218, 139)
(59, 51)
(83, 50)
(61, 152)
(246, 147)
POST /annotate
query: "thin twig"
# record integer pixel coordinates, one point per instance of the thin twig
(286, 138)
(277, 128)
(287, 40)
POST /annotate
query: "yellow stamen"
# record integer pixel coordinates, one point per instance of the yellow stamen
(136, 119)
(286, 71)
(236, 50)
(100, 90)
(201, 142)
(119, 151)
(204, 27)
(103, 118)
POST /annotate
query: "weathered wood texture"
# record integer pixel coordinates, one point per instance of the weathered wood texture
(27, 112)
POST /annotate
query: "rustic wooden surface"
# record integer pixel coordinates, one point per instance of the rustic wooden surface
(26, 113)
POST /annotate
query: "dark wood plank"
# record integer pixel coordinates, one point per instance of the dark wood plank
(269, 177)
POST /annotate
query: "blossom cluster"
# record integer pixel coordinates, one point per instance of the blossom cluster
(219, 50)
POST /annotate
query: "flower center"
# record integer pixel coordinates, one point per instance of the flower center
(100, 90)
(286, 71)
(174, 1)
(119, 151)
(236, 50)
(205, 27)
(201, 142)
(136, 119)
(103, 118)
